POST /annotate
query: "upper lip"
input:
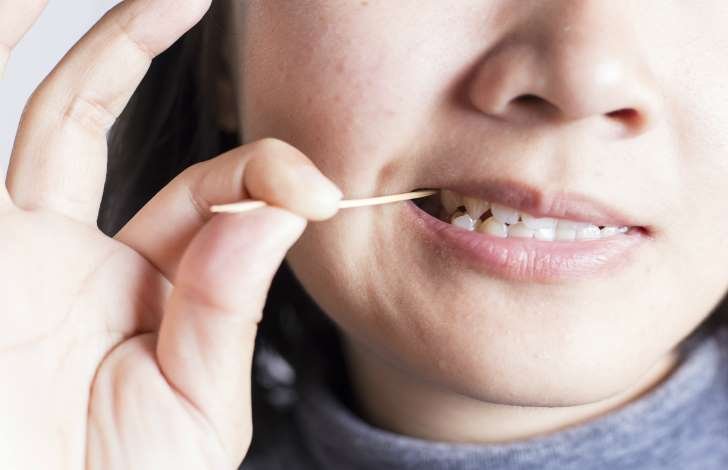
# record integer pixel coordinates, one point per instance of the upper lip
(527, 198)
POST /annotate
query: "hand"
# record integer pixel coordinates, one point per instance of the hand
(132, 351)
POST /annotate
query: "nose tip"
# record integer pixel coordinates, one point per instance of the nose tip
(566, 79)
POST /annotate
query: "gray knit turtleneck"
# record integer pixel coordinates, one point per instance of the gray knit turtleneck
(680, 424)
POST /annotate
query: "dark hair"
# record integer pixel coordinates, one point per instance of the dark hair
(169, 124)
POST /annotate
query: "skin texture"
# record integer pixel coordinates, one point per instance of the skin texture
(133, 351)
(383, 95)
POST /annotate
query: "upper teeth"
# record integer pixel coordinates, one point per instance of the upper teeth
(466, 212)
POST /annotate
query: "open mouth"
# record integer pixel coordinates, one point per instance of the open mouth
(540, 237)
(498, 220)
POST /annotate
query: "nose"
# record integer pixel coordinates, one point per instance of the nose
(571, 60)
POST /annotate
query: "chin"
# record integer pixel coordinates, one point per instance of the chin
(537, 366)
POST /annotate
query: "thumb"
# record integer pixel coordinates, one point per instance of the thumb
(207, 335)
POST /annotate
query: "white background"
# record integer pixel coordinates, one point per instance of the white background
(62, 23)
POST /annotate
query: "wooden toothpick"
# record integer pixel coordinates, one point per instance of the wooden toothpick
(251, 204)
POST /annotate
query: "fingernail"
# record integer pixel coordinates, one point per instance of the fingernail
(316, 181)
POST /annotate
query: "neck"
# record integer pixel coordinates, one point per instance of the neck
(393, 400)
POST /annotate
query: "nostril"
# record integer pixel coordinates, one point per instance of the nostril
(627, 115)
(528, 100)
(534, 103)
(630, 119)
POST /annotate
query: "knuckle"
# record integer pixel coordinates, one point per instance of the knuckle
(208, 300)
(272, 155)
(195, 168)
(192, 181)
(127, 37)
(271, 145)
(190, 173)
(82, 109)
(89, 113)
(199, 204)
(256, 163)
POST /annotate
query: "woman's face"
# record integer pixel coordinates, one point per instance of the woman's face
(625, 106)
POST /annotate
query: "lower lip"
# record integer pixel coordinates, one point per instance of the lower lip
(525, 259)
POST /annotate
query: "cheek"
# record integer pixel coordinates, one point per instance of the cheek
(695, 232)
(318, 84)
(354, 113)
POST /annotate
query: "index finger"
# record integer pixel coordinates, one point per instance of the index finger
(59, 158)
